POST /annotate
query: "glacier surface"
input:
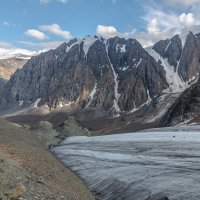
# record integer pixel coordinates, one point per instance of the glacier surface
(137, 165)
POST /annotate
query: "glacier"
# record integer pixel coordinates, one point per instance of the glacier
(135, 166)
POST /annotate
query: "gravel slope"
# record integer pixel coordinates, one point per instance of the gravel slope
(29, 171)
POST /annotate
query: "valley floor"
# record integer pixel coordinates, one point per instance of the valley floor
(137, 166)
(28, 170)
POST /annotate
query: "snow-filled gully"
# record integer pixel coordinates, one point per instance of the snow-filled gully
(117, 95)
(135, 166)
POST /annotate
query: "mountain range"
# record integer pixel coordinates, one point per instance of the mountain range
(116, 77)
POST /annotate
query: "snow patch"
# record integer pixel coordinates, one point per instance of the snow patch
(88, 42)
(146, 103)
(117, 95)
(160, 114)
(124, 68)
(69, 103)
(120, 47)
(172, 77)
(21, 103)
(69, 47)
(168, 45)
(61, 104)
(137, 65)
(35, 105)
(183, 37)
(91, 97)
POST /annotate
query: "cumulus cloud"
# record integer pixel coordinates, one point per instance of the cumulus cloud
(181, 2)
(56, 30)
(187, 19)
(106, 31)
(153, 26)
(161, 24)
(146, 38)
(36, 34)
(45, 46)
(158, 20)
(7, 50)
(13, 51)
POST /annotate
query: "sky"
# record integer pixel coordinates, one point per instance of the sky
(33, 25)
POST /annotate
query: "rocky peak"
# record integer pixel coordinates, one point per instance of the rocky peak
(180, 58)
(170, 49)
(116, 75)
(113, 75)
(189, 64)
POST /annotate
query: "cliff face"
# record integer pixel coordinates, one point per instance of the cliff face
(115, 75)
(186, 108)
(8, 66)
(183, 54)
(190, 58)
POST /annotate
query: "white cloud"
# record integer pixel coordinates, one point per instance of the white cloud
(49, 1)
(36, 34)
(153, 26)
(158, 20)
(106, 31)
(187, 19)
(161, 24)
(181, 2)
(13, 51)
(45, 46)
(56, 30)
(114, 1)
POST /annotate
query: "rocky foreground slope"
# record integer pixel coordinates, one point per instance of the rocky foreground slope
(29, 171)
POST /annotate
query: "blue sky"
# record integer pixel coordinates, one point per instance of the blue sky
(43, 24)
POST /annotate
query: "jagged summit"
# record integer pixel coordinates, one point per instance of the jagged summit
(115, 75)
